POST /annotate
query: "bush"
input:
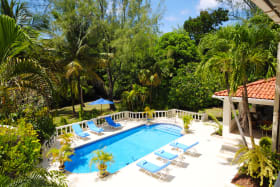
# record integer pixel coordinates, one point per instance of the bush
(42, 121)
(259, 163)
(19, 149)
(266, 143)
(187, 121)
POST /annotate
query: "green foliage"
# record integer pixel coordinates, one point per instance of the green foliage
(37, 177)
(42, 121)
(173, 50)
(258, 162)
(187, 121)
(205, 23)
(149, 112)
(266, 143)
(63, 121)
(189, 91)
(19, 149)
(62, 154)
(136, 98)
(218, 126)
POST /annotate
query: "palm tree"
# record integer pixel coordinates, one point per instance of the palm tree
(15, 9)
(216, 51)
(74, 71)
(16, 72)
(251, 56)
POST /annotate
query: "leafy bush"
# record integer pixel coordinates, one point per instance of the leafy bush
(189, 91)
(218, 126)
(266, 143)
(63, 121)
(258, 162)
(19, 149)
(187, 121)
(42, 121)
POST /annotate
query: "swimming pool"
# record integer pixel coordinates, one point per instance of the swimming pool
(126, 147)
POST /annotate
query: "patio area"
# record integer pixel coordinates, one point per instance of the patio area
(207, 164)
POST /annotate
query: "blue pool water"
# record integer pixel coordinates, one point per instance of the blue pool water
(126, 147)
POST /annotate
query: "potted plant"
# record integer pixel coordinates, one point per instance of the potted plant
(61, 155)
(149, 112)
(187, 121)
(101, 159)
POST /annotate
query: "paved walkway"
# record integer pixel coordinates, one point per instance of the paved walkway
(206, 165)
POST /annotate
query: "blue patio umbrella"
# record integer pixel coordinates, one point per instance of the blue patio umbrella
(101, 102)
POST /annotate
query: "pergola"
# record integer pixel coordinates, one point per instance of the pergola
(272, 9)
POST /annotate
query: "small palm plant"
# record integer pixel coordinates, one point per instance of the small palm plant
(64, 152)
(101, 159)
(61, 155)
(149, 113)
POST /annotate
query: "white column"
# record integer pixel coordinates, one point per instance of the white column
(226, 116)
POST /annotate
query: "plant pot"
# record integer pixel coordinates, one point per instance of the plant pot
(102, 170)
(61, 167)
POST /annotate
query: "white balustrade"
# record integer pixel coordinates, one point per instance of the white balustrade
(100, 120)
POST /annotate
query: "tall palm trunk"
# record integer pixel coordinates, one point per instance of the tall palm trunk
(247, 112)
(80, 93)
(234, 112)
(111, 86)
(72, 96)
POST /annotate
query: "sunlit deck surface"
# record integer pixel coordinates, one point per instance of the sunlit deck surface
(206, 165)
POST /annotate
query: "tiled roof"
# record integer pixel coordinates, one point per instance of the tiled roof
(261, 89)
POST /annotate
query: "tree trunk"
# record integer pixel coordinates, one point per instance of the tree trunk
(80, 93)
(247, 111)
(234, 112)
(72, 97)
(111, 85)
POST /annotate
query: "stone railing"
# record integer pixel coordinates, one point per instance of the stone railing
(126, 115)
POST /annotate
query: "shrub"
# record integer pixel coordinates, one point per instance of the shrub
(266, 142)
(259, 163)
(41, 120)
(63, 121)
(187, 121)
(19, 149)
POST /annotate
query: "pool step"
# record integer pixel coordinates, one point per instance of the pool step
(169, 130)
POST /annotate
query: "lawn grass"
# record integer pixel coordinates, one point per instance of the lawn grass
(217, 112)
(66, 112)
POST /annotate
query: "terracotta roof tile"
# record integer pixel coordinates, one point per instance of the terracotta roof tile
(261, 89)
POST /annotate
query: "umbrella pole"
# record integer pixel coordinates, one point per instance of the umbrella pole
(101, 108)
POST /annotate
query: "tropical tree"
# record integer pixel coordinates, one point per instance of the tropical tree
(135, 98)
(217, 59)
(251, 56)
(205, 23)
(17, 72)
(15, 9)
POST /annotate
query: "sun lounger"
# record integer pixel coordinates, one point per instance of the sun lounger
(183, 146)
(152, 168)
(165, 155)
(111, 123)
(79, 131)
(91, 125)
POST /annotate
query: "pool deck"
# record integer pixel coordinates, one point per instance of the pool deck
(208, 164)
